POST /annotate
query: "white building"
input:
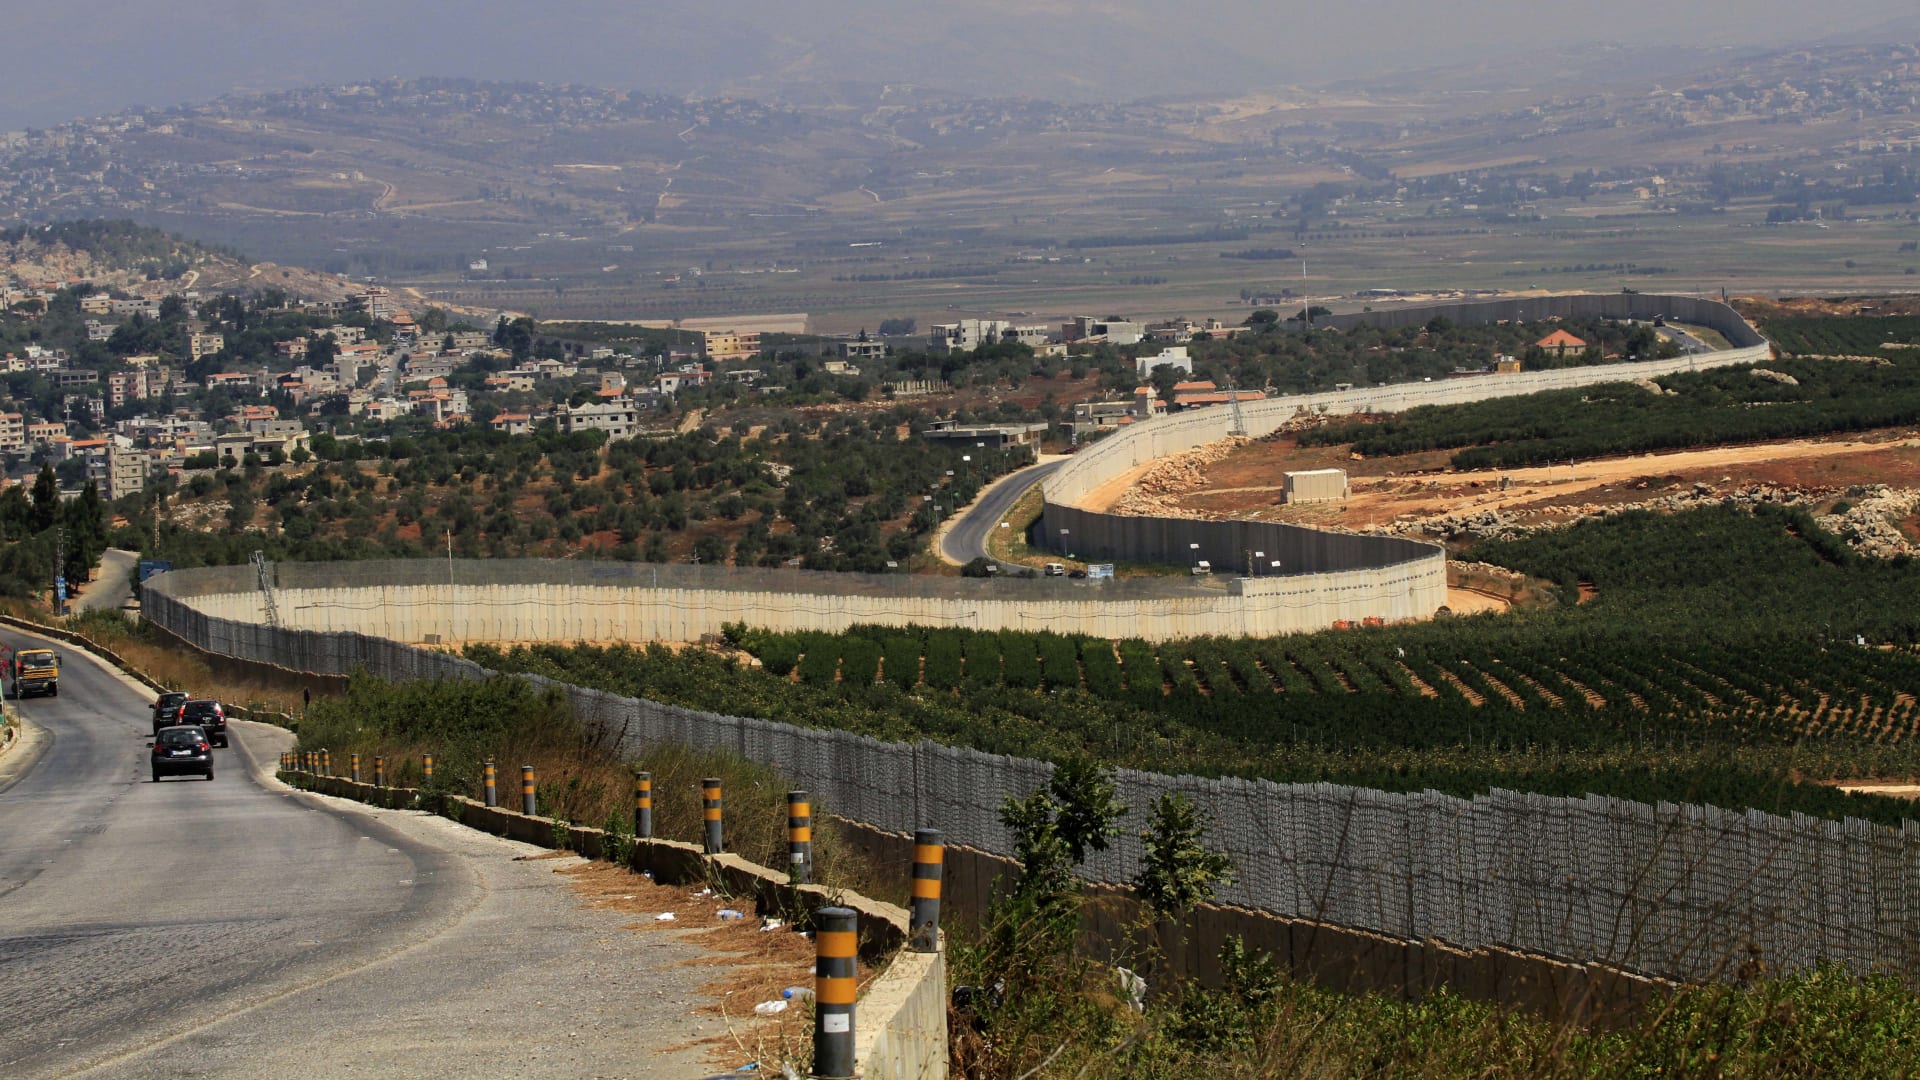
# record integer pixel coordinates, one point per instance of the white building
(618, 417)
(1173, 356)
(969, 334)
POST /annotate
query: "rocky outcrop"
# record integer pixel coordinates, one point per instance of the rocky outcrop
(1867, 525)
(1157, 492)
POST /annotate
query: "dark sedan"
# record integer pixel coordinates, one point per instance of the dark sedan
(208, 715)
(179, 750)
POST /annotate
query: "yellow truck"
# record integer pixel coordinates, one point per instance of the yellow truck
(34, 671)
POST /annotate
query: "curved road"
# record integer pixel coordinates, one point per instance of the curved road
(966, 539)
(239, 928)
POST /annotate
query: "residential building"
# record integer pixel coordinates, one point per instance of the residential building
(1560, 343)
(730, 344)
(618, 418)
(1112, 331)
(238, 383)
(509, 381)
(126, 471)
(136, 306)
(45, 431)
(841, 368)
(1101, 415)
(469, 340)
(99, 331)
(13, 432)
(422, 366)
(377, 302)
(204, 344)
(512, 423)
(969, 334)
(125, 386)
(345, 333)
(1173, 356)
(672, 382)
(990, 436)
(1147, 403)
(861, 349)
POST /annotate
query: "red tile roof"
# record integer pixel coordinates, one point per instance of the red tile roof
(1560, 339)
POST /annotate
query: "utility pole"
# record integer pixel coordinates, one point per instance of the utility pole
(60, 569)
(450, 593)
(1306, 301)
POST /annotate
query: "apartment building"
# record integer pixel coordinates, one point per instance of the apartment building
(619, 418)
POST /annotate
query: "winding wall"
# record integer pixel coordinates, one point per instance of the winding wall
(1067, 525)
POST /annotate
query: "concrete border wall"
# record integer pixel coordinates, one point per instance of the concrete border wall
(1093, 534)
(1156, 609)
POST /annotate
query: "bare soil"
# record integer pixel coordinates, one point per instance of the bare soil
(1246, 484)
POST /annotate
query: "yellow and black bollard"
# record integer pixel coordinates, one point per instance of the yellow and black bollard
(929, 859)
(711, 803)
(326, 762)
(527, 804)
(491, 792)
(799, 838)
(836, 939)
(643, 806)
(426, 770)
(353, 767)
(379, 771)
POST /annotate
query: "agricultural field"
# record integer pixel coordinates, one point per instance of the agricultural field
(1686, 674)
(1825, 430)
(824, 491)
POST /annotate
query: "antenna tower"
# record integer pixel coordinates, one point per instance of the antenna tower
(264, 569)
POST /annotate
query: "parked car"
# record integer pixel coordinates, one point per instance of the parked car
(182, 749)
(208, 715)
(166, 708)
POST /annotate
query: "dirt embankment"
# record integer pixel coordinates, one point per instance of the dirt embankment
(1875, 474)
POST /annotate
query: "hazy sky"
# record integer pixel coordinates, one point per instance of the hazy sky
(74, 60)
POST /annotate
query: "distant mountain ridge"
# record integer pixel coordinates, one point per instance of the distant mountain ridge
(1105, 50)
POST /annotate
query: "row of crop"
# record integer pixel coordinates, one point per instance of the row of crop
(1840, 336)
(1362, 689)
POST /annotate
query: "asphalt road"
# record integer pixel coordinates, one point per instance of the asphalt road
(239, 928)
(966, 539)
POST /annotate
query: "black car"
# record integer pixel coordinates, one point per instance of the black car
(166, 708)
(182, 749)
(208, 715)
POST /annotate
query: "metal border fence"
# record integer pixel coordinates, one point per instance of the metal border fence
(1683, 892)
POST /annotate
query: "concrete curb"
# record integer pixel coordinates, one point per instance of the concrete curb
(902, 1030)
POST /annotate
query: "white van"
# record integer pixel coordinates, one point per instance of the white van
(1202, 567)
(1055, 569)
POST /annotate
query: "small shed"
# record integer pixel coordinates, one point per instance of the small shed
(1316, 485)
